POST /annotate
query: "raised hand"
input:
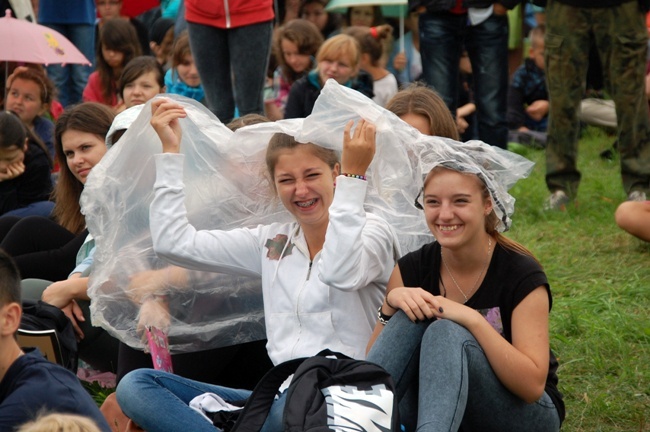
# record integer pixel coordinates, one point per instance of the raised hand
(358, 147)
(164, 120)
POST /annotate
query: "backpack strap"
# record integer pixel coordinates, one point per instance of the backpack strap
(258, 405)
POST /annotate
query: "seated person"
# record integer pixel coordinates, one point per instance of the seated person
(303, 176)
(527, 96)
(28, 382)
(25, 164)
(634, 217)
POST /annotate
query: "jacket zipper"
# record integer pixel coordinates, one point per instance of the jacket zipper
(227, 11)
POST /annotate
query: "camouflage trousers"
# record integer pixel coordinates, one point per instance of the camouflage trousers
(620, 36)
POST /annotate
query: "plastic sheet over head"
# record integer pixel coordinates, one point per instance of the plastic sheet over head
(227, 187)
(207, 310)
(404, 157)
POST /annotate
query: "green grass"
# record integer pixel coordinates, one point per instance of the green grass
(600, 279)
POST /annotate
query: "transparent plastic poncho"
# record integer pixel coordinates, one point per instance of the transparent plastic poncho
(227, 187)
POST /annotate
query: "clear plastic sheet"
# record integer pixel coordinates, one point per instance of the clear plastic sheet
(227, 187)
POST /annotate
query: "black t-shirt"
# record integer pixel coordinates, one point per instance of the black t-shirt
(510, 277)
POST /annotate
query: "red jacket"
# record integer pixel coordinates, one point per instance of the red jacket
(228, 13)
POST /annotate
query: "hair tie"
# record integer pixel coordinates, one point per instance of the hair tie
(373, 32)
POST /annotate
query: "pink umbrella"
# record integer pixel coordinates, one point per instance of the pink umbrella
(24, 41)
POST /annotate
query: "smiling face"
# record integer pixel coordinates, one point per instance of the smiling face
(187, 71)
(292, 57)
(305, 185)
(454, 208)
(141, 90)
(24, 98)
(82, 152)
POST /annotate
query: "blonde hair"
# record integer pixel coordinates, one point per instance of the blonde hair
(58, 422)
(339, 46)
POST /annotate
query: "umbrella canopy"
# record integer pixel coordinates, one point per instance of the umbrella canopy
(23, 41)
(389, 8)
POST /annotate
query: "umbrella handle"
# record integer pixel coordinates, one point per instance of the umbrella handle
(401, 28)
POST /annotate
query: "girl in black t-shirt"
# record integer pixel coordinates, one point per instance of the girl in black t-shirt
(467, 343)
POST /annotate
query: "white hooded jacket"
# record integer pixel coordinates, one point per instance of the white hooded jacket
(330, 302)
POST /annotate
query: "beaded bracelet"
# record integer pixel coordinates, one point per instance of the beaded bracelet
(356, 176)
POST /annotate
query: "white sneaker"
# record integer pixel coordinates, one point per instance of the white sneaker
(636, 196)
(557, 201)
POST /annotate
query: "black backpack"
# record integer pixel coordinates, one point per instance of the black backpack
(38, 315)
(329, 391)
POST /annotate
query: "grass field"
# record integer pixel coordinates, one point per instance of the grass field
(600, 279)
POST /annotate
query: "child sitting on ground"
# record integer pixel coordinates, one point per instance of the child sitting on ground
(338, 58)
(118, 44)
(183, 77)
(141, 80)
(294, 46)
(527, 96)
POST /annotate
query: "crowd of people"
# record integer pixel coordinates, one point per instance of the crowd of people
(311, 99)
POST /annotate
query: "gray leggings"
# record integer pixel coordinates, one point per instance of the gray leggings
(443, 380)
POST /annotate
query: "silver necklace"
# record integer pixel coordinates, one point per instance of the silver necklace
(477, 278)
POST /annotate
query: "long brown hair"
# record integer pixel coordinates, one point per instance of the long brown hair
(115, 34)
(89, 117)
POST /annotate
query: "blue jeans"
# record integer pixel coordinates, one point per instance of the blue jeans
(442, 38)
(71, 79)
(159, 401)
(439, 367)
(223, 55)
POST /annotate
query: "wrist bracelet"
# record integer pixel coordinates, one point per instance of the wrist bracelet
(356, 176)
(383, 318)
(373, 32)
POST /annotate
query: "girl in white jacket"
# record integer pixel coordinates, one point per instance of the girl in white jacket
(323, 276)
